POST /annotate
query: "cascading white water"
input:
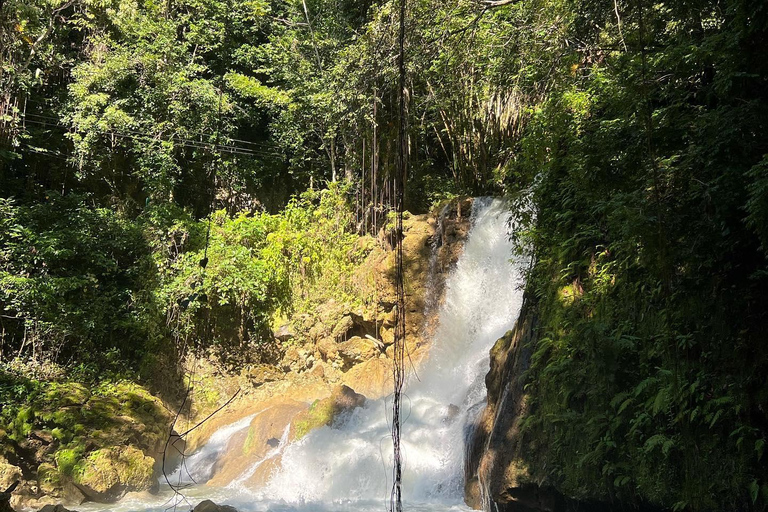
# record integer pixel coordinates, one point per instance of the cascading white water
(200, 466)
(348, 467)
(351, 462)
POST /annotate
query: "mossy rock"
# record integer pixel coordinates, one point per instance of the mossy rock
(105, 475)
(49, 479)
(326, 411)
(68, 458)
(66, 394)
(321, 413)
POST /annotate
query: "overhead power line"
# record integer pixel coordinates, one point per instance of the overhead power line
(257, 150)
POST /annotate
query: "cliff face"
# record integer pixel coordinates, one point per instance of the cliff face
(495, 471)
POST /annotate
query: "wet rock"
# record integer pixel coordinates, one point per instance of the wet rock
(263, 434)
(372, 378)
(209, 506)
(345, 399)
(71, 494)
(327, 411)
(54, 508)
(451, 414)
(494, 449)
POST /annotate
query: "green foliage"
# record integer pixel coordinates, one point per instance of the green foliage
(71, 277)
(258, 265)
(649, 280)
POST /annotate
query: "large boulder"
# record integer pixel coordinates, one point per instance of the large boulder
(105, 475)
(356, 350)
(263, 435)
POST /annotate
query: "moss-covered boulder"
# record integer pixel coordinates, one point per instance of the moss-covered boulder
(105, 475)
(326, 411)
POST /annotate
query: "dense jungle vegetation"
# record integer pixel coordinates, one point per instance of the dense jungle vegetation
(139, 138)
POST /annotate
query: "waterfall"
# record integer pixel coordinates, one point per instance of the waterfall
(351, 462)
(348, 467)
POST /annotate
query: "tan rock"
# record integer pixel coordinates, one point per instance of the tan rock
(259, 374)
(8, 474)
(372, 378)
(342, 327)
(357, 349)
(244, 450)
(328, 348)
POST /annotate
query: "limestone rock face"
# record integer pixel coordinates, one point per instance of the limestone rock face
(263, 435)
(494, 451)
(107, 474)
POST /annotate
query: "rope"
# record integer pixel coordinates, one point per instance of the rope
(398, 364)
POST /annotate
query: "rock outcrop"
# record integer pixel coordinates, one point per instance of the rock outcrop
(496, 474)
(254, 454)
(339, 353)
(495, 471)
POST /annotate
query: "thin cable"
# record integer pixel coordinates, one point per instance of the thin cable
(398, 363)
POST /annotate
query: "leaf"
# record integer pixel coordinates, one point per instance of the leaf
(715, 417)
(754, 488)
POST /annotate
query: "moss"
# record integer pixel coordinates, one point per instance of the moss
(66, 417)
(48, 478)
(66, 394)
(319, 414)
(248, 445)
(105, 469)
(67, 459)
